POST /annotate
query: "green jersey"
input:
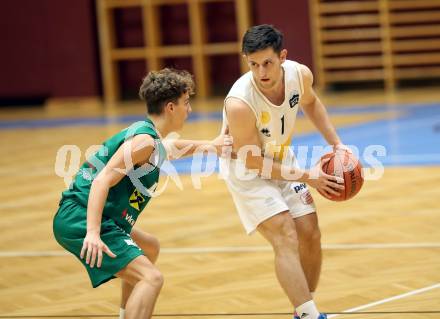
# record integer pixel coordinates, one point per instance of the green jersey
(129, 197)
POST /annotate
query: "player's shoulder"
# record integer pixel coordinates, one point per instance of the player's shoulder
(302, 68)
(236, 105)
(290, 63)
(243, 83)
(140, 127)
(306, 73)
(240, 116)
(144, 136)
(140, 147)
(142, 141)
(239, 112)
(240, 94)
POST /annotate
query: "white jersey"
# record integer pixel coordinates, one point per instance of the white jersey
(257, 198)
(275, 123)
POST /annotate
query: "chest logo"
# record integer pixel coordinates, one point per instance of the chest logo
(136, 199)
(294, 99)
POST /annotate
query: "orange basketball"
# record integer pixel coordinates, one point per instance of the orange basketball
(344, 164)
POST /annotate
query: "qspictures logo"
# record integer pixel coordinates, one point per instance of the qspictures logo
(204, 163)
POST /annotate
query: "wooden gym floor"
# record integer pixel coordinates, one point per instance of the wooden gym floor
(381, 249)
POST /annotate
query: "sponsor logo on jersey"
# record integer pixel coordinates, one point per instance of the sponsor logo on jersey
(294, 99)
(136, 199)
(128, 218)
(265, 131)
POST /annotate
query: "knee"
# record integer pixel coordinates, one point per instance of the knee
(285, 242)
(285, 239)
(154, 278)
(311, 236)
(316, 235)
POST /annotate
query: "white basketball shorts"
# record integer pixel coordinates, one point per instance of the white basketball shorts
(258, 199)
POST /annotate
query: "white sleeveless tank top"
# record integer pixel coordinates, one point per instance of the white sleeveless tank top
(275, 123)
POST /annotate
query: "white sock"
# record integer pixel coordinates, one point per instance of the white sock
(308, 310)
(313, 297)
(121, 313)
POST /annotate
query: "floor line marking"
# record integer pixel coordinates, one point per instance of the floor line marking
(238, 249)
(386, 300)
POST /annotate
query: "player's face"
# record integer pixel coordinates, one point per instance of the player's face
(266, 66)
(181, 111)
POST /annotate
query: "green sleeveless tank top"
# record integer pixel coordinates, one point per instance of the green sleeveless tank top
(129, 197)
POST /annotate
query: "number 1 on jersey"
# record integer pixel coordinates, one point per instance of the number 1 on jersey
(282, 125)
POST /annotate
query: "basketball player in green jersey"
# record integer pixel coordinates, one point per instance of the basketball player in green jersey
(97, 213)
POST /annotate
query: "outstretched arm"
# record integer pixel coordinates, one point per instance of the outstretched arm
(315, 110)
(178, 148)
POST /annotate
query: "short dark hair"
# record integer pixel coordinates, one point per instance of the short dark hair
(260, 37)
(161, 87)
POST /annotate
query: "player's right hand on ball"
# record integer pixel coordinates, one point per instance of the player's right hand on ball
(326, 184)
(92, 248)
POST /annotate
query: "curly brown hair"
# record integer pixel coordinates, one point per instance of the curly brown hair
(161, 87)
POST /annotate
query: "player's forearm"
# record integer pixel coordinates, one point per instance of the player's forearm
(193, 146)
(317, 113)
(183, 148)
(95, 206)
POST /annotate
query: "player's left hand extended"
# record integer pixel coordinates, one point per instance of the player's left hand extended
(223, 144)
(93, 247)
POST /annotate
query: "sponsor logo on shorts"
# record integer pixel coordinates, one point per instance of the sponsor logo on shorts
(130, 242)
(306, 198)
(299, 187)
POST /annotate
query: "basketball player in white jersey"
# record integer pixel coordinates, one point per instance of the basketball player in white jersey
(260, 112)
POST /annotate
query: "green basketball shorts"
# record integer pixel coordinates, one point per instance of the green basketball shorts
(70, 227)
